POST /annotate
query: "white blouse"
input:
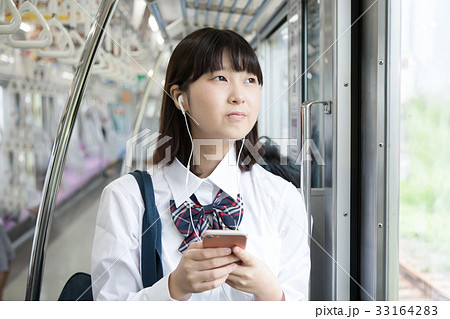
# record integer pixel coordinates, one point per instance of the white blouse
(274, 219)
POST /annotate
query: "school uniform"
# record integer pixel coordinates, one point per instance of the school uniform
(274, 218)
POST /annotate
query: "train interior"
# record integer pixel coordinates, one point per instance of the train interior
(355, 98)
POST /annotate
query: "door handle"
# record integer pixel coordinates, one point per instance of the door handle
(305, 148)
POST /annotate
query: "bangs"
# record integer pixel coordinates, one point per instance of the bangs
(208, 57)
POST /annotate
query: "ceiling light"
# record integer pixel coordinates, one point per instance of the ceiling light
(153, 24)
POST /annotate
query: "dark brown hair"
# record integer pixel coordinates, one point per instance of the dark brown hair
(198, 53)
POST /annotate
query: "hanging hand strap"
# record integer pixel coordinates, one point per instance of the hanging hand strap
(45, 37)
(14, 25)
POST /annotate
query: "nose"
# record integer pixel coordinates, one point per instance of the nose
(236, 95)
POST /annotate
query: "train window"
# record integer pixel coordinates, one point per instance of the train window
(319, 76)
(424, 151)
(274, 61)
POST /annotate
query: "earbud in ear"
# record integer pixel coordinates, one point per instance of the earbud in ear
(180, 102)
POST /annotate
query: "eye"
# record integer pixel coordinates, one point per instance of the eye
(219, 78)
(251, 80)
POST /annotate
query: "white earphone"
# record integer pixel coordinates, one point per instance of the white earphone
(180, 102)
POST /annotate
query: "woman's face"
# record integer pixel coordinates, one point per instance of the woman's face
(214, 97)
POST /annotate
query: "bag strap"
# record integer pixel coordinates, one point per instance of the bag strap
(151, 265)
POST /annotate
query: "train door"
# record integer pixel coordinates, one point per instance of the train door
(324, 131)
(314, 93)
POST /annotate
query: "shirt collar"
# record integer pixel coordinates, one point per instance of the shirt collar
(224, 176)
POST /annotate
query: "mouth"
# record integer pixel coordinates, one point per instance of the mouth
(237, 115)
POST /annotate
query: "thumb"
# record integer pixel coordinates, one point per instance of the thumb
(196, 245)
(244, 256)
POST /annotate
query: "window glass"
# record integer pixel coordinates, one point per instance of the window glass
(425, 149)
(275, 111)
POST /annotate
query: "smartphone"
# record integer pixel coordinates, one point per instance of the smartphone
(215, 238)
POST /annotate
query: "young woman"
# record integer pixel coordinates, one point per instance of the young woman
(210, 108)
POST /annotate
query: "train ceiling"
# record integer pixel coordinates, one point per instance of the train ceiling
(140, 29)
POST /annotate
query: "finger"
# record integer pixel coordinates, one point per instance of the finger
(213, 263)
(217, 262)
(208, 253)
(234, 281)
(214, 274)
(214, 283)
(196, 245)
(246, 257)
(235, 276)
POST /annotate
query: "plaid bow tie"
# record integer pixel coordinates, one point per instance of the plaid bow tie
(225, 215)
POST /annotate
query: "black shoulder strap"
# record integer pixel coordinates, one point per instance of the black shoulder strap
(151, 265)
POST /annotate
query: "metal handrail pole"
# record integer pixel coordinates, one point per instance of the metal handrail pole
(128, 159)
(145, 97)
(59, 150)
(153, 6)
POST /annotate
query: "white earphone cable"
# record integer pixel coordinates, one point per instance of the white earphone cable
(240, 201)
(186, 187)
(238, 183)
(187, 175)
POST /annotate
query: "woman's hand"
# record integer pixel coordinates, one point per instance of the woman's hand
(253, 276)
(201, 269)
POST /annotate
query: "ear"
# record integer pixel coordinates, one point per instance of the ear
(175, 94)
